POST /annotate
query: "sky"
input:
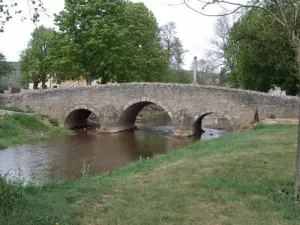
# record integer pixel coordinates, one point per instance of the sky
(193, 29)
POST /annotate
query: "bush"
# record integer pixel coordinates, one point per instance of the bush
(12, 194)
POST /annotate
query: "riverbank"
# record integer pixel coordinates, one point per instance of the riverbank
(19, 128)
(235, 179)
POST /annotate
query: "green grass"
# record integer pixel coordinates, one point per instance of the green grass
(235, 179)
(21, 128)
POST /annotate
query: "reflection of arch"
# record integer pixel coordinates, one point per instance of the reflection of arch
(197, 125)
(132, 109)
(78, 115)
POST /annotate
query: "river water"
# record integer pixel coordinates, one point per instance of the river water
(62, 157)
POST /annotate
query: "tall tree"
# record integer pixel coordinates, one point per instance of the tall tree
(38, 62)
(262, 58)
(5, 67)
(287, 14)
(113, 40)
(172, 44)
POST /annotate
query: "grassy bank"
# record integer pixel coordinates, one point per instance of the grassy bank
(21, 128)
(235, 179)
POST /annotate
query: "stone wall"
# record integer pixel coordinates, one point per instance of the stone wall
(150, 111)
(117, 105)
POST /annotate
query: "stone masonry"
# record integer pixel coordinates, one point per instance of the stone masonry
(117, 105)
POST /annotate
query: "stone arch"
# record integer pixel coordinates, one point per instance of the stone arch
(197, 125)
(132, 109)
(77, 116)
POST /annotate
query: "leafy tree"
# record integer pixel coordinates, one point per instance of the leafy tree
(39, 60)
(262, 57)
(5, 67)
(172, 44)
(113, 40)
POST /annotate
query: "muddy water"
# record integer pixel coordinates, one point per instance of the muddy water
(63, 157)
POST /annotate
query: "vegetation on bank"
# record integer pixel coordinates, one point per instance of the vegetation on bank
(241, 178)
(21, 128)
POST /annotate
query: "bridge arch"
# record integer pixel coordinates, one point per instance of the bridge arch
(132, 109)
(78, 115)
(197, 125)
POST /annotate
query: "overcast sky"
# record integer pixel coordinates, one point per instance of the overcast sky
(193, 29)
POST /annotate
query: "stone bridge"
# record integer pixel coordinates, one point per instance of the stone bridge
(117, 105)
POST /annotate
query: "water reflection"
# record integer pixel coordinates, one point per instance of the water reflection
(63, 156)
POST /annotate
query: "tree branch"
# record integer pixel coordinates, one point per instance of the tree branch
(237, 5)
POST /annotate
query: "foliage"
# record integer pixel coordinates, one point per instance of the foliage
(262, 57)
(115, 40)
(12, 195)
(36, 60)
(5, 67)
(236, 179)
(177, 76)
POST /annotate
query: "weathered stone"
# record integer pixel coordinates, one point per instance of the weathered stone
(117, 105)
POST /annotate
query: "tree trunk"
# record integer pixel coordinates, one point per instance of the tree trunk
(35, 85)
(88, 80)
(43, 84)
(297, 169)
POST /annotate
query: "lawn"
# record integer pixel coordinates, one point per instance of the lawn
(235, 179)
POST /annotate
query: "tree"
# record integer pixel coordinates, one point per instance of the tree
(287, 14)
(114, 40)
(9, 8)
(5, 67)
(38, 62)
(262, 58)
(220, 39)
(172, 44)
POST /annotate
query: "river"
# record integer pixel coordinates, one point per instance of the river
(62, 157)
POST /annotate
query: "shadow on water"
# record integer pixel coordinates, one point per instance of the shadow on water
(62, 157)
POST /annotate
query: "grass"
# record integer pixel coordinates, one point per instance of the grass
(235, 179)
(21, 128)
